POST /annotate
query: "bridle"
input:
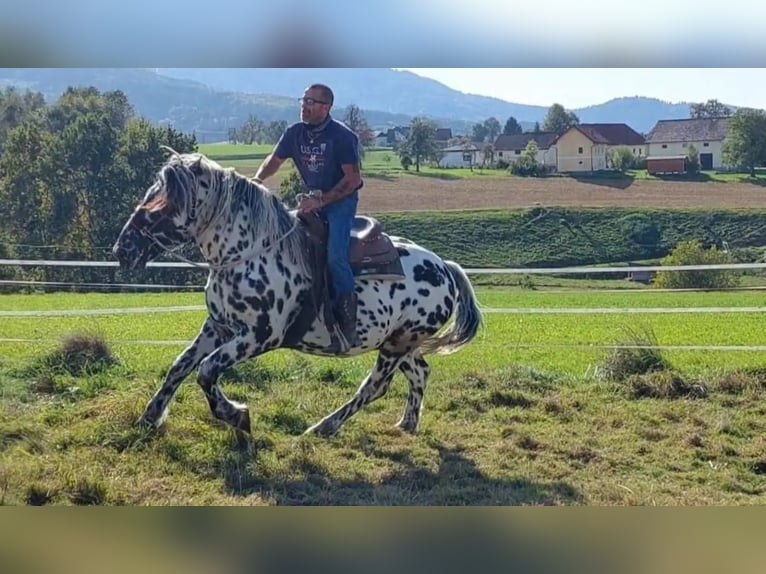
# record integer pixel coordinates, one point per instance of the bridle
(192, 219)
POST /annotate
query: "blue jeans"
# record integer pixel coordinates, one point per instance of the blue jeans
(340, 217)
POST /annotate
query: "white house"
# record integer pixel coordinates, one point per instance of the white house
(673, 138)
(510, 147)
(465, 155)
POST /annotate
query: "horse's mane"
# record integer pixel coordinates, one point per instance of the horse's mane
(235, 194)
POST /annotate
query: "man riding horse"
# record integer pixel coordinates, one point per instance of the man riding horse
(326, 154)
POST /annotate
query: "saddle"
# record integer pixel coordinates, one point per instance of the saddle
(371, 251)
(372, 255)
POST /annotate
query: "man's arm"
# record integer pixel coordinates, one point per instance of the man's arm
(269, 167)
(348, 183)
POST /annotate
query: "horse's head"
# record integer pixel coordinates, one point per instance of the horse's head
(167, 216)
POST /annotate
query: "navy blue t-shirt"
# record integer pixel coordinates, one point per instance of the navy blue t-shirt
(319, 151)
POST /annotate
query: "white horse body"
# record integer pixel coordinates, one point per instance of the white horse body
(259, 292)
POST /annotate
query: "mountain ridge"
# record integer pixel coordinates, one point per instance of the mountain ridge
(209, 101)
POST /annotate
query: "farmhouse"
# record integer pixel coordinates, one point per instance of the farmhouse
(587, 147)
(510, 147)
(673, 138)
(464, 155)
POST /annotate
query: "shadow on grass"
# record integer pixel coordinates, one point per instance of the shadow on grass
(380, 176)
(436, 175)
(457, 481)
(611, 179)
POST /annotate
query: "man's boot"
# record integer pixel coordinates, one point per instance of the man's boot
(347, 319)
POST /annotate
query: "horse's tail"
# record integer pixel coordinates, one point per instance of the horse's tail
(467, 321)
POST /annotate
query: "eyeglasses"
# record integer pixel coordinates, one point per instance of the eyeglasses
(311, 101)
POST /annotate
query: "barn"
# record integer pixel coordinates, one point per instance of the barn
(666, 164)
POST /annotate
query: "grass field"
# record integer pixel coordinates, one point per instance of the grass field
(519, 417)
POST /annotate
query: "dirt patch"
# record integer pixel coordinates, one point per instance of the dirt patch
(416, 193)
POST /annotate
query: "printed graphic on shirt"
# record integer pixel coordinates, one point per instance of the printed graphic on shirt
(313, 156)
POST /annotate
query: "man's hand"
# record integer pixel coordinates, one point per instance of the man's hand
(310, 203)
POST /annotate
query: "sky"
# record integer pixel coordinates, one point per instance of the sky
(744, 87)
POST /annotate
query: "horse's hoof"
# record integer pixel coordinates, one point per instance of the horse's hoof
(323, 429)
(143, 423)
(407, 426)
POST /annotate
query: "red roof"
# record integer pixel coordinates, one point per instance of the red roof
(610, 134)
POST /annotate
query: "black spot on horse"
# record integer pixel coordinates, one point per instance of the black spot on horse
(236, 303)
(427, 272)
(424, 292)
(263, 328)
(394, 288)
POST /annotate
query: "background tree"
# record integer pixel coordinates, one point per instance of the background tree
(72, 172)
(354, 119)
(745, 144)
(493, 129)
(251, 131)
(512, 127)
(559, 120)
(15, 107)
(692, 159)
(479, 132)
(273, 131)
(709, 109)
(420, 144)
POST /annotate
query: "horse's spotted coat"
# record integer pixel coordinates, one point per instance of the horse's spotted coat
(259, 280)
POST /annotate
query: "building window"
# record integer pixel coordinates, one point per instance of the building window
(517, 152)
(579, 150)
(683, 144)
(499, 154)
(664, 146)
(705, 144)
(467, 157)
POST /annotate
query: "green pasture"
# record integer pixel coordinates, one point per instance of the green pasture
(516, 418)
(537, 340)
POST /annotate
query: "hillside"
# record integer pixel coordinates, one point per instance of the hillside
(208, 101)
(403, 92)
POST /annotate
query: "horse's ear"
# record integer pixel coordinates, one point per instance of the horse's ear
(196, 166)
(173, 189)
(170, 149)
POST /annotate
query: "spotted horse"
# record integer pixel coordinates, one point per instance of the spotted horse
(260, 292)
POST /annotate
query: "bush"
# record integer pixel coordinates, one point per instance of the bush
(622, 159)
(636, 354)
(692, 253)
(290, 187)
(526, 166)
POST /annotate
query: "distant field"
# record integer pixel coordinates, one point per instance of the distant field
(388, 187)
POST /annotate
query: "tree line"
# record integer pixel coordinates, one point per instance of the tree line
(71, 173)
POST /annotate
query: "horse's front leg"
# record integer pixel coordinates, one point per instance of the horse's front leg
(208, 338)
(243, 346)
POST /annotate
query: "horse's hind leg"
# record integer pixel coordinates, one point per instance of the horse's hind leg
(416, 370)
(373, 387)
(206, 341)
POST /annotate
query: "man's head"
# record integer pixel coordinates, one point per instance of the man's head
(316, 103)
